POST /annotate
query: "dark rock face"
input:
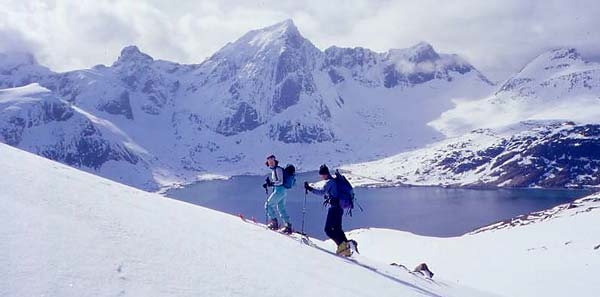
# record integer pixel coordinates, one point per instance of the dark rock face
(391, 77)
(548, 157)
(82, 146)
(349, 57)
(118, 106)
(88, 150)
(570, 157)
(424, 64)
(335, 77)
(290, 132)
(245, 118)
(12, 131)
(288, 95)
(569, 53)
(513, 84)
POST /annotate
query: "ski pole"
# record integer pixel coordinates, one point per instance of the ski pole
(266, 186)
(266, 202)
(304, 210)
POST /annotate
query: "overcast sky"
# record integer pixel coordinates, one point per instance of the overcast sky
(498, 37)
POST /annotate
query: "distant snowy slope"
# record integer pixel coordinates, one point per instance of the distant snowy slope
(69, 233)
(540, 129)
(34, 119)
(550, 253)
(532, 154)
(557, 85)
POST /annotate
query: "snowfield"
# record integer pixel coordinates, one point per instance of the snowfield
(549, 253)
(65, 232)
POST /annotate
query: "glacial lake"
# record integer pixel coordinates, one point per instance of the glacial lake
(430, 211)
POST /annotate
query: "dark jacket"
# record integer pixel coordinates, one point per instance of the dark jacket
(329, 191)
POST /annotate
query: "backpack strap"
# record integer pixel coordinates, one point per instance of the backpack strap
(275, 170)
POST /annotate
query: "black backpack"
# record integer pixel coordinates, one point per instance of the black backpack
(345, 192)
(289, 176)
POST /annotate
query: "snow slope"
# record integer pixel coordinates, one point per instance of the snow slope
(550, 253)
(65, 232)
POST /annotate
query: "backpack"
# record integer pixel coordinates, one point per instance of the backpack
(345, 192)
(289, 176)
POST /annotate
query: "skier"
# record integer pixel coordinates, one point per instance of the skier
(277, 197)
(333, 224)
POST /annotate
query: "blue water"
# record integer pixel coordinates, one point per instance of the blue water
(431, 211)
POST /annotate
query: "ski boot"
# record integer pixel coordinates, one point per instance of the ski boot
(273, 224)
(344, 249)
(287, 229)
(353, 246)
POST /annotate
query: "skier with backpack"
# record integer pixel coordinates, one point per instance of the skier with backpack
(280, 180)
(338, 195)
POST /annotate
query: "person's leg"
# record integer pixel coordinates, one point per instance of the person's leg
(281, 205)
(270, 206)
(333, 225)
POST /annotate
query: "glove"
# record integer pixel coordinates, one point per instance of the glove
(308, 187)
(269, 183)
(265, 185)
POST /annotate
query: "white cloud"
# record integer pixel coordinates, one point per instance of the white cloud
(496, 36)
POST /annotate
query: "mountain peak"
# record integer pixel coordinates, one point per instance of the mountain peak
(564, 53)
(14, 59)
(417, 53)
(551, 61)
(422, 46)
(423, 51)
(132, 53)
(283, 33)
(271, 40)
(285, 27)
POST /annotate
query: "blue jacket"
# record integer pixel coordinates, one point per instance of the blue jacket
(329, 191)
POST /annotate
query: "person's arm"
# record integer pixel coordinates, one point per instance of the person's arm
(313, 190)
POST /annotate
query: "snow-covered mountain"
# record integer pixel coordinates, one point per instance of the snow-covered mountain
(69, 233)
(557, 85)
(549, 253)
(539, 129)
(271, 90)
(34, 119)
(529, 154)
(18, 69)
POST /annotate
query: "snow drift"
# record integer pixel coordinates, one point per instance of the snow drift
(548, 253)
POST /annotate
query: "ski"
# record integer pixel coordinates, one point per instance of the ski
(304, 239)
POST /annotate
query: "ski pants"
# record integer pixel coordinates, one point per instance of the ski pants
(277, 200)
(333, 225)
